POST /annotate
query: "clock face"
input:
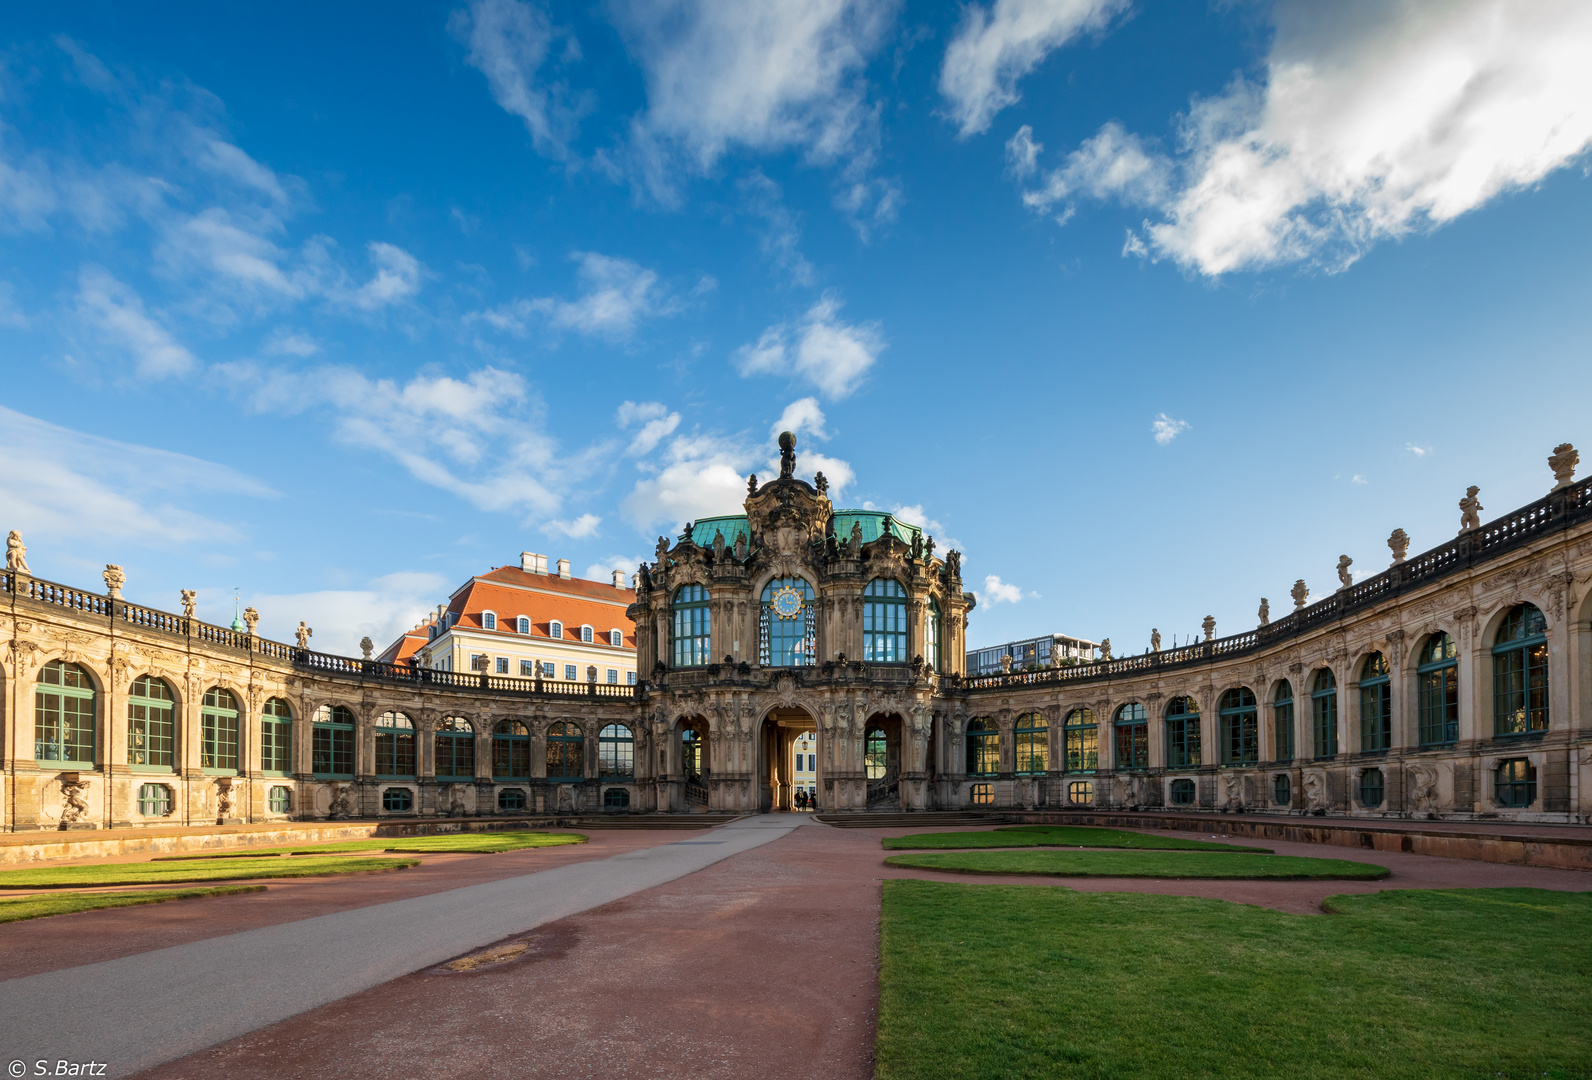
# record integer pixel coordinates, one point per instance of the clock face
(787, 603)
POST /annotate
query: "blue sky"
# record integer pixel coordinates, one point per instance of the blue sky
(1150, 309)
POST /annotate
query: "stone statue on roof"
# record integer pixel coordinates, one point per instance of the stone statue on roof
(718, 545)
(854, 543)
(821, 482)
(1470, 509)
(16, 553)
(787, 455)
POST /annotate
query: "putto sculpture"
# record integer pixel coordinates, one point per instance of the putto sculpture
(1155, 639)
(1399, 544)
(1265, 612)
(1345, 579)
(189, 596)
(1470, 509)
(16, 554)
(1105, 648)
(304, 633)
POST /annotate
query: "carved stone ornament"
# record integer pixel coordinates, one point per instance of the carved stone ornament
(251, 618)
(1399, 544)
(1315, 791)
(114, 580)
(1208, 624)
(1264, 612)
(303, 634)
(1300, 593)
(1105, 648)
(1470, 509)
(1563, 462)
(366, 647)
(1155, 639)
(1345, 579)
(821, 482)
(16, 554)
(189, 596)
(1423, 788)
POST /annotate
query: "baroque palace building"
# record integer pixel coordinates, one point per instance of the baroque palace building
(1454, 684)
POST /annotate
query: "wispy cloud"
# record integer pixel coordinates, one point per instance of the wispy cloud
(654, 423)
(117, 314)
(517, 48)
(384, 609)
(832, 355)
(1418, 451)
(616, 294)
(1165, 429)
(578, 529)
(996, 591)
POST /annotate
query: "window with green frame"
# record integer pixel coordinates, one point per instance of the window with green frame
(1132, 725)
(1080, 792)
(332, 742)
(64, 715)
(1376, 704)
(1031, 744)
(1183, 792)
(875, 753)
(983, 747)
(1516, 783)
(931, 636)
(151, 727)
(1372, 786)
(787, 631)
(395, 746)
(511, 799)
(397, 800)
(154, 800)
(1520, 672)
(884, 622)
(1182, 733)
(691, 744)
(616, 753)
(1282, 721)
(1082, 736)
(1239, 721)
(511, 751)
(1324, 714)
(1282, 789)
(693, 627)
(281, 800)
(276, 737)
(455, 749)
(565, 752)
(1437, 686)
(218, 731)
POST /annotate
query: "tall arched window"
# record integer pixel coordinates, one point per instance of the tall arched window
(1240, 726)
(1182, 733)
(983, 747)
(1437, 679)
(1031, 736)
(616, 753)
(332, 742)
(691, 753)
(931, 637)
(875, 753)
(455, 752)
(151, 730)
(1376, 704)
(565, 752)
(1133, 737)
(692, 627)
(1520, 673)
(395, 745)
(522, 625)
(218, 720)
(1083, 741)
(489, 620)
(64, 715)
(1324, 714)
(786, 628)
(884, 622)
(511, 751)
(1282, 721)
(276, 737)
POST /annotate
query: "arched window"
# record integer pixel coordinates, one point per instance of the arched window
(1376, 704)
(565, 752)
(931, 636)
(875, 753)
(1183, 792)
(983, 747)
(1133, 737)
(787, 634)
(522, 625)
(616, 798)
(1520, 673)
(332, 742)
(1437, 680)
(884, 622)
(586, 634)
(218, 720)
(1282, 721)
(1516, 783)
(1083, 741)
(1372, 786)
(276, 737)
(1282, 789)
(555, 629)
(693, 627)
(1182, 733)
(397, 800)
(64, 715)
(455, 752)
(489, 620)
(280, 799)
(511, 751)
(395, 745)
(691, 754)
(151, 731)
(1031, 750)
(1324, 714)
(154, 800)
(511, 799)
(616, 753)
(1080, 792)
(1240, 726)
(616, 638)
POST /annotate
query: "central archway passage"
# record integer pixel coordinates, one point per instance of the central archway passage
(777, 736)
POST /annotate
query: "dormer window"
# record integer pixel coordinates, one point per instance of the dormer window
(488, 620)
(522, 625)
(616, 638)
(555, 629)
(586, 636)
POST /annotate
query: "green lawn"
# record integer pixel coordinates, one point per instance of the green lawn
(1154, 864)
(1019, 836)
(1012, 981)
(469, 843)
(36, 907)
(154, 873)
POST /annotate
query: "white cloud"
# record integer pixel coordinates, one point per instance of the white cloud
(510, 42)
(802, 415)
(1418, 451)
(284, 342)
(1166, 429)
(615, 295)
(996, 46)
(578, 529)
(1372, 122)
(832, 355)
(782, 233)
(996, 591)
(389, 606)
(1358, 479)
(657, 423)
(397, 278)
(1113, 164)
(604, 571)
(117, 314)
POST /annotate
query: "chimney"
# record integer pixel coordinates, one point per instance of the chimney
(533, 563)
(619, 579)
(563, 569)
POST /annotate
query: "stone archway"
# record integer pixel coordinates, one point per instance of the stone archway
(883, 762)
(776, 742)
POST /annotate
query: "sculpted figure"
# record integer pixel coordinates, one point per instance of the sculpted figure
(1423, 788)
(304, 634)
(1315, 792)
(16, 554)
(821, 482)
(1399, 544)
(854, 543)
(953, 564)
(1563, 462)
(662, 553)
(787, 455)
(718, 545)
(1234, 785)
(1006, 664)
(1345, 579)
(1155, 639)
(456, 800)
(189, 596)
(1470, 509)
(751, 484)
(339, 807)
(1264, 612)
(1300, 593)
(740, 546)
(917, 547)
(114, 580)
(73, 805)
(223, 802)
(1105, 648)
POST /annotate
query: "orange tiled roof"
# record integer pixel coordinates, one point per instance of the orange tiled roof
(510, 592)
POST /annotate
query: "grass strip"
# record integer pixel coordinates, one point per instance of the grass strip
(463, 843)
(1020, 836)
(154, 873)
(1145, 864)
(18, 908)
(986, 982)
